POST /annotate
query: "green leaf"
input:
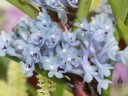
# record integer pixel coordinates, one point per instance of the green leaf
(123, 29)
(3, 67)
(83, 10)
(26, 7)
(31, 90)
(119, 8)
(126, 20)
(116, 34)
(58, 91)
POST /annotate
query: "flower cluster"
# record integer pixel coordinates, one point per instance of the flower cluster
(56, 5)
(90, 51)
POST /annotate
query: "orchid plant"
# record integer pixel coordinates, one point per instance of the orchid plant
(87, 49)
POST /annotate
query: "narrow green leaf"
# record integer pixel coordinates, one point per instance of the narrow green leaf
(83, 9)
(26, 7)
(123, 29)
(116, 34)
(3, 67)
(119, 8)
(31, 90)
(126, 20)
(58, 91)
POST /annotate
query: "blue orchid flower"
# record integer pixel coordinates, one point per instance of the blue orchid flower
(69, 55)
(27, 68)
(56, 5)
(103, 69)
(102, 83)
(43, 19)
(37, 39)
(122, 56)
(16, 48)
(86, 52)
(4, 43)
(21, 32)
(53, 36)
(53, 65)
(73, 3)
(53, 3)
(109, 49)
(23, 22)
(101, 25)
(83, 26)
(71, 38)
(90, 71)
(31, 52)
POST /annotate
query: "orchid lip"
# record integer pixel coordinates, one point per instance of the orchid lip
(4, 48)
(35, 57)
(60, 69)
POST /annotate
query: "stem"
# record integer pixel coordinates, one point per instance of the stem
(26, 7)
(31, 90)
(82, 11)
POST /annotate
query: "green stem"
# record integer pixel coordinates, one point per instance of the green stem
(31, 90)
(26, 7)
(126, 20)
(83, 10)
